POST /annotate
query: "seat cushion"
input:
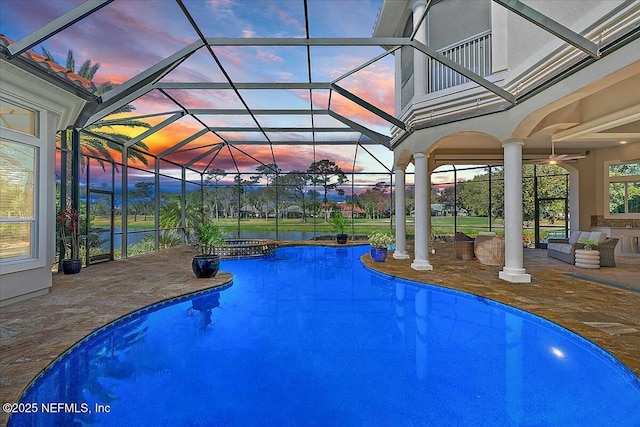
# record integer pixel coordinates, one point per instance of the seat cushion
(575, 235)
(559, 247)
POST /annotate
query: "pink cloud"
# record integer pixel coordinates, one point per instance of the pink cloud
(285, 17)
(268, 56)
(247, 33)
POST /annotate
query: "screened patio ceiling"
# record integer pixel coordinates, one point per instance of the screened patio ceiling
(221, 84)
(235, 85)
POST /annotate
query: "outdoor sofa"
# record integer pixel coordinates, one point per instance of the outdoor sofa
(565, 249)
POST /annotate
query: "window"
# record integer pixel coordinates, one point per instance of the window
(18, 118)
(18, 194)
(23, 234)
(623, 188)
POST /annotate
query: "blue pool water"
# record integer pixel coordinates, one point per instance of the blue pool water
(312, 338)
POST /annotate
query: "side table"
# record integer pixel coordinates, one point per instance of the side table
(587, 258)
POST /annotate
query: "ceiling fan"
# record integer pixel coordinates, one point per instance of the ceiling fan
(554, 158)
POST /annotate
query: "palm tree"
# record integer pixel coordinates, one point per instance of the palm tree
(99, 141)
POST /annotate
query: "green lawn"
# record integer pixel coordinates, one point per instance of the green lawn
(361, 226)
(440, 225)
(140, 223)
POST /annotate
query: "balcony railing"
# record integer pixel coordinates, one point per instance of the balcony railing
(473, 54)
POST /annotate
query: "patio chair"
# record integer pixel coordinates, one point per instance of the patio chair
(607, 248)
(463, 246)
(489, 249)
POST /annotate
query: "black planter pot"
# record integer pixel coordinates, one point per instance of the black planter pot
(341, 238)
(205, 266)
(71, 266)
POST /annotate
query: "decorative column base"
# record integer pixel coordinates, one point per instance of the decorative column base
(421, 265)
(400, 255)
(515, 275)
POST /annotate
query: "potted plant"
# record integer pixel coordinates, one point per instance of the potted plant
(339, 225)
(68, 225)
(588, 244)
(379, 243)
(209, 235)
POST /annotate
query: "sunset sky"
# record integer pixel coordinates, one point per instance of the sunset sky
(127, 37)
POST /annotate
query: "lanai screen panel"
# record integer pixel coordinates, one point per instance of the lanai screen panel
(194, 148)
(293, 157)
(193, 99)
(166, 138)
(284, 120)
(115, 37)
(260, 18)
(250, 157)
(263, 63)
(199, 67)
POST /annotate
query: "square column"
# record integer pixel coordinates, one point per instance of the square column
(401, 217)
(513, 270)
(422, 190)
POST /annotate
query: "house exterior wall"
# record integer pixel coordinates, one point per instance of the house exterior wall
(56, 109)
(527, 44)
(470, 18)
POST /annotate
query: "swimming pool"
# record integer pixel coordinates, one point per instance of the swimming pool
(312, 338)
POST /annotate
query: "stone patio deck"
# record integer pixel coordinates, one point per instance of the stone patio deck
(34, 332)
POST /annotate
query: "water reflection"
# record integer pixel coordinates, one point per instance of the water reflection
(203, 306)
(422, 310)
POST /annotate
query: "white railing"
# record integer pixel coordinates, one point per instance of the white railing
(473, 54)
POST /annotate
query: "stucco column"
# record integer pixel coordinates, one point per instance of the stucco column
(398, 82)
(401, 216)
(513, 270)
(419, 58)
(574, 201)
(421, 246)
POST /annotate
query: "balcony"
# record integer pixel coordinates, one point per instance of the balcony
(473, 53)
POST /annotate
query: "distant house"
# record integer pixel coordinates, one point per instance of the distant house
(294, 211)
(247, 211)
(349, 211)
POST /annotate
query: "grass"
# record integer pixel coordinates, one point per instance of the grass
(141, 223)
(439, 224)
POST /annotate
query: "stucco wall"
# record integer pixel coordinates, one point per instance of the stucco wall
(527, 43)
(455, 20)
